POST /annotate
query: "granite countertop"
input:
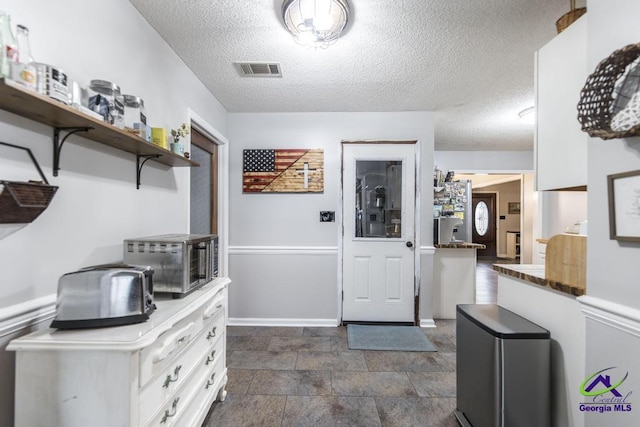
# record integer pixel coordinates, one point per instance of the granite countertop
(534, 274)
(459, 245)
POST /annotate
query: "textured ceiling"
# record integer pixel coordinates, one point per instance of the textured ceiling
(469, 61)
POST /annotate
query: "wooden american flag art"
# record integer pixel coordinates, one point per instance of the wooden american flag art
(283, 171)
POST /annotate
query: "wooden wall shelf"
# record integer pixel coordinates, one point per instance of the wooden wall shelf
(32, 105)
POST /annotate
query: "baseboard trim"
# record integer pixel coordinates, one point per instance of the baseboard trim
(21, 316)
(427, 323)
(614, 315)
(328, 323)
(283, 250)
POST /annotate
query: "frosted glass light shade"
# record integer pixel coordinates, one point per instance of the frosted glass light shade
(315, 23)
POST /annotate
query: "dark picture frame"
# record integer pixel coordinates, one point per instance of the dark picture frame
(514, 207)
(624, 206)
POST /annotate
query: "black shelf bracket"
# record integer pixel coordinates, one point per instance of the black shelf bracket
(57, 143)
(140, 165)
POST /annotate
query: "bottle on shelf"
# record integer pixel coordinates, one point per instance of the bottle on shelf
(23, 70)
(9, 50)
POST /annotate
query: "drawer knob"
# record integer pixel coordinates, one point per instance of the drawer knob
(168, 414)
(210, 358)
(212, 333)
(211, 381)
(169, 380)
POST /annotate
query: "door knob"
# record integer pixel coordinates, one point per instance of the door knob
(409, 244)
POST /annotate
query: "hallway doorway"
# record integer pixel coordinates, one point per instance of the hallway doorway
(487, 279)
(511, 190)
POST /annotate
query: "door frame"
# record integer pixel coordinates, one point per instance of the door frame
(416, 223)
(210, 146)
(222, 143)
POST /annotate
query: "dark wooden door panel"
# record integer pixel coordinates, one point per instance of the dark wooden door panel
(484, 222)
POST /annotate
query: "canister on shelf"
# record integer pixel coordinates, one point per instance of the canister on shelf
(105, 99)
(52, 81)
(134, 111)
(159, 137)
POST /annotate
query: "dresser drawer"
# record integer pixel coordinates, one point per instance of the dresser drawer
(158, 356)
(203, 381)
(204, 349)
(206, 393)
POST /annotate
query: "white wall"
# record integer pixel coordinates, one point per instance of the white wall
(613, 323)
(298, 280)
(97, 204)
(484, 161)
(529, 207)
(560, 314)
(559, 209)
(609, 157)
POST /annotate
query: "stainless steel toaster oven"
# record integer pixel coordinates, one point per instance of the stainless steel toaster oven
(181, 262)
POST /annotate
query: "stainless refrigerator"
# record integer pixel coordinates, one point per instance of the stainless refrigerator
(454, 199)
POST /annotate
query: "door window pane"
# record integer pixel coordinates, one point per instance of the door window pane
(482, 218)
(378, 199)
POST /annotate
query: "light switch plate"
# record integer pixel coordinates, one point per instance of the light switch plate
(327, 216)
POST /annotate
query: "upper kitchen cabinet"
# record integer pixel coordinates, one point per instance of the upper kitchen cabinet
(560, 144)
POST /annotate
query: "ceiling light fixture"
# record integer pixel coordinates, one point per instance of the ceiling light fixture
(527, 114)
(315, 23)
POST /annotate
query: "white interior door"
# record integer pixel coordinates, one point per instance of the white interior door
(378, 187)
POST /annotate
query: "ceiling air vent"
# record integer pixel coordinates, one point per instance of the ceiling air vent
(258, 69)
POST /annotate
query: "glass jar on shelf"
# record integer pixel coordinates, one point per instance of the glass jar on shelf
(23, 70)
(9, 50)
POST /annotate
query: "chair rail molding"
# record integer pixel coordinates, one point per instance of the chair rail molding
(18, 317)
(617, 316)
(283, 250)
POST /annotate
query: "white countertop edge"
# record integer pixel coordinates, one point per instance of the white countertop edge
(119, 338)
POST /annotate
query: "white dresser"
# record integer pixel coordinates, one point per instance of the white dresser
(166, 371)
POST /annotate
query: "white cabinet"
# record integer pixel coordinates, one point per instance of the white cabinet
(165, 371)
(540, 254)
(454, 280)
(513, 244)
(560, 144)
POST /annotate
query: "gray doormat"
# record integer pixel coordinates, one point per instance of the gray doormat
(382, 337)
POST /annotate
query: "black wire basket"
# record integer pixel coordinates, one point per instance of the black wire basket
(22, 202)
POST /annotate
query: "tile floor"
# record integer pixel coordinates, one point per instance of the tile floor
(308, 377)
